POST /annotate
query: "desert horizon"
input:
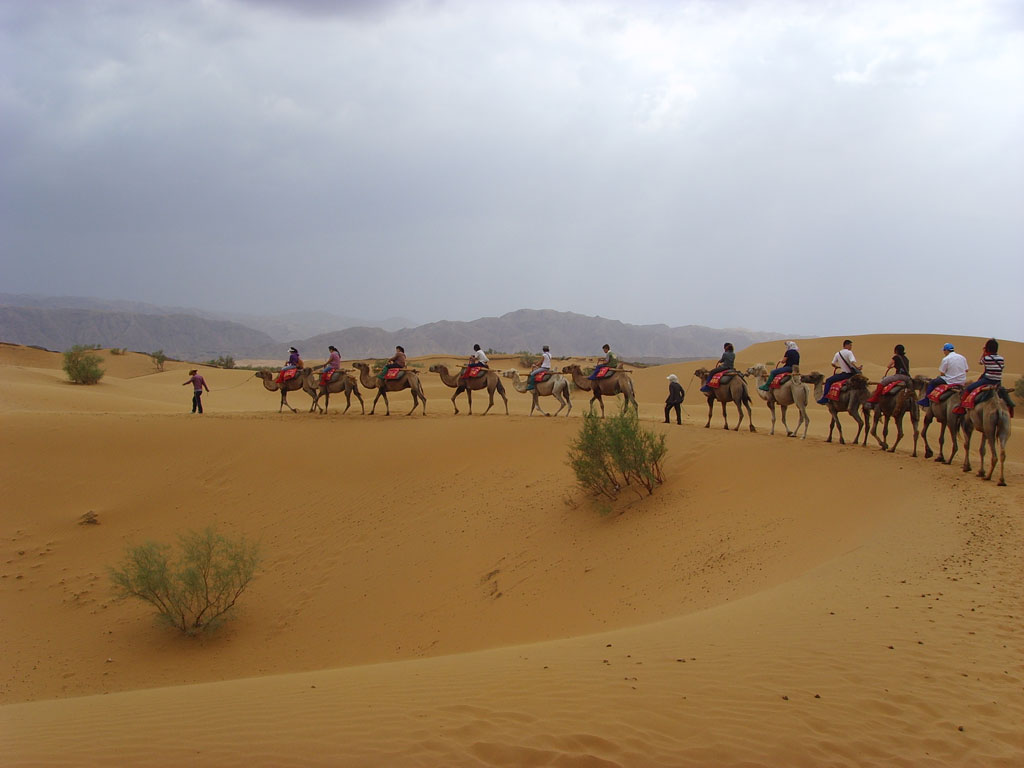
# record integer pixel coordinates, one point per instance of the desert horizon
(436, 590)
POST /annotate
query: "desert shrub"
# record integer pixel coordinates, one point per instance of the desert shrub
(610, 454)
(1018, 388)
(527, 359)
(81, 366)
(119, 350)
(195, 593)
(159, 358)
(224, 361)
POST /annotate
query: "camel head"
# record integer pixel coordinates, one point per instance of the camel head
(919, 382)
(757, 370)
(264, 374)
(572, 369)
(361, 366)
(701, 373)
(438, 368)
(814, 377)
(510, 373)
(858, 381)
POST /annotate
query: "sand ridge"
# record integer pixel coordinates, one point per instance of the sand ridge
(436, 592)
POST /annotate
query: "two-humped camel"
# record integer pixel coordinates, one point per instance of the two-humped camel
(339, 382)
(269, 379)
(792, 392)
(489, 380)
(410, 381)
(992, 419)
(894, 405)
(943, 413)
(731, 389)
(619, 383)
(555, 386)
(852, 399)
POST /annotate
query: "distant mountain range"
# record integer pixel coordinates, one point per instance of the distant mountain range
(58, 323)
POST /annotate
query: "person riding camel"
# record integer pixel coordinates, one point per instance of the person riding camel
(294, 360)
(785, 365)
(608, 361)
(992, 364)
(477, 360)
(726, 362)
(900, 366)
(539, 369)
(844, 365)
(395, 361)
(952, 371)
(332, 365)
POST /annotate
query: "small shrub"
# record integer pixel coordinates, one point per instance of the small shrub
(194, 594)
(527, 359)
(610, 454)
(224, 361)
(119, 351)
(1018, 388)
(81, 366)
(159, 358)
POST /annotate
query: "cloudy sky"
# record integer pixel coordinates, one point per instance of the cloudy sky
(822, 167)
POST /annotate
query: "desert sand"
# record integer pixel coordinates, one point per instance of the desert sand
(435, 591)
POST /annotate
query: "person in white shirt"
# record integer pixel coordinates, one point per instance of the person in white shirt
(539, 369)
(477, 360)
(952, 370)
(844, 364)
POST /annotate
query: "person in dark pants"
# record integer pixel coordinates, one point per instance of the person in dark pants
(198, 385)
(789, 359)
(844, 365)
(675, 398)
(726, 362)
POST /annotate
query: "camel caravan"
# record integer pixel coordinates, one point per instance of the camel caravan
(960, 408)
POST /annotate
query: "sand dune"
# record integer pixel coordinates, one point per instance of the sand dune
(435, 591)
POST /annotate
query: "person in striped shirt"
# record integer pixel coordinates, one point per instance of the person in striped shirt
(992, 364)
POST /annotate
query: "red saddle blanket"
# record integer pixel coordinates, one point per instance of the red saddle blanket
(891, 386)
(604, 372)
(970, 399)
(779, 380)
(719, 377)
(326, 376)
(287, 374)
(943, 391)
(836, 390)
(539, 376)
(393, 373)
(473, 372)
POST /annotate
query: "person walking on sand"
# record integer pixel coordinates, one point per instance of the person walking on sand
(198, 385)
(675, 398)
(539, 369)
(844, 365)
(952, 370)
(725, 363)
(785, 365)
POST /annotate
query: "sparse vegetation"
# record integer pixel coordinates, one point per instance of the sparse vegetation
(1018, 388)
(119, 351)
(159, 358)
(527, 359)
(194, 594)
(82, 366)
(610, 454)
(224, 361)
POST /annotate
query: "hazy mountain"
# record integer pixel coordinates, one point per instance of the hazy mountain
(185, 337)
(566, 333)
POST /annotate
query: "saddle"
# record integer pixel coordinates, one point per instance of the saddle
(779, 380)
(287, 374)
(943, 391)
(473, 372)
(604, 372)
(836, 390)
(539, 376)
(393, 374)
(974, 397)
(891, 387)
(327, 377)
(720, 378)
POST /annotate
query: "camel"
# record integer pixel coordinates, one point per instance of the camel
(893, 406)
(410, 381)
(734, 390)
(792, 392)
(340, 382)
(992, 419)
(943, 413)
(555, 385)
(619, 383)
(269, 379)
(852, 400)
(490, 379)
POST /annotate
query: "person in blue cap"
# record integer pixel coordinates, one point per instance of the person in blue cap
(952, 370)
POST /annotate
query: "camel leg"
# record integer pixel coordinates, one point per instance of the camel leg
(1002, 458)
(924, 433)
(359, 397)
(771, 407)
(874, 429)
(899, 432)
(711, 410)
(381, 392)
(805, 419)
(348, 401)
(750, 415)
(596, 396)
(490, 401)
(982, 444)
(839, 427)
(967, 447)
(458, 391)
(416, 402)
(284, 402)
(535, 405)
(501, 391)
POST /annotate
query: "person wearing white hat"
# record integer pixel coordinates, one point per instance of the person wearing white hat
(675, 398)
